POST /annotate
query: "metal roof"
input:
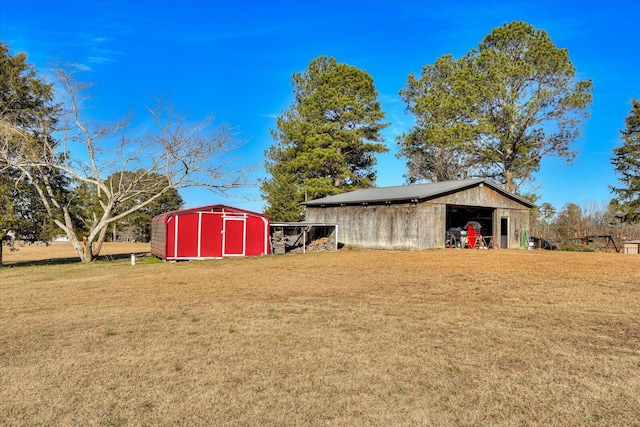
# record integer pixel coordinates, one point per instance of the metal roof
(206, 209)
(303, 224)
(415, 192)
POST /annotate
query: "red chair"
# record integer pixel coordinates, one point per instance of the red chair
(473, 238)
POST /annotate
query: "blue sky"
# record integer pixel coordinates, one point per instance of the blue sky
(234, 60)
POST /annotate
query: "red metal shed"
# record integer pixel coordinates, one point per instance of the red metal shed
(209, 232)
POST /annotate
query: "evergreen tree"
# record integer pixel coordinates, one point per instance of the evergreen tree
(325, 143)
(498, 110)
(27, 113)
(626, 162)
(437, 148)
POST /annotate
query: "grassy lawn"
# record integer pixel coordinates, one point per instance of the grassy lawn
(435, 338)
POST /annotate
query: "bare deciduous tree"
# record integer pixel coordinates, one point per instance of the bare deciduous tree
(100, 159)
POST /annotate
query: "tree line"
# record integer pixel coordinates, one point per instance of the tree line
(589, 225)
(495, 112)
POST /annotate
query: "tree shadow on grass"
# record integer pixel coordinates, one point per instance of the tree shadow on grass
(74, 260)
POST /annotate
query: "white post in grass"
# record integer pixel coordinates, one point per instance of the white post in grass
(133, 259)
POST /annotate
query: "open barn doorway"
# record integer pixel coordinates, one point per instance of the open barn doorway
(458, 216)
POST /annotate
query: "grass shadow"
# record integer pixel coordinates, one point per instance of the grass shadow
(73, 260)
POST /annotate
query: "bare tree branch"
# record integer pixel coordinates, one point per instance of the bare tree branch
(134, 172)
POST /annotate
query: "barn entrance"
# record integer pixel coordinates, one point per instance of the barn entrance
(504, 232)
(458, 216)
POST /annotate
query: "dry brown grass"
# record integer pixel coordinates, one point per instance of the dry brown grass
(439, 338)
(60, 252)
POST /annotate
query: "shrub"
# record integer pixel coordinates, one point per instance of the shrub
(575, 247)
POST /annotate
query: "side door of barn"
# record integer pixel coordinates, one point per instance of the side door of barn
(234, 230)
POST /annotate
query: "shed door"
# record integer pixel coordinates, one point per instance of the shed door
(233, 236)
(210, 235)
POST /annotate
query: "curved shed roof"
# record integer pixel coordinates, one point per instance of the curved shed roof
(209, 208)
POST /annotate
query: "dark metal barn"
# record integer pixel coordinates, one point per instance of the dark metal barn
(425, 216)
(209, 232)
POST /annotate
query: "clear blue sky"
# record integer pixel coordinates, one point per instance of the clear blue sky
(234, 59)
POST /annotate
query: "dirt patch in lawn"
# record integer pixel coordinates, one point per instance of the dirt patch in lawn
(443, 337)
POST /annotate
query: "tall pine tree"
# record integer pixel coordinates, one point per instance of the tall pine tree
(497, 111)
(325, 143)
(26, 102)
(626, 162)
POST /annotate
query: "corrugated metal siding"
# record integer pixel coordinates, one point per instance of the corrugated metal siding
(158, 237)
(188, 231)
(211, 225)
(201, 233)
